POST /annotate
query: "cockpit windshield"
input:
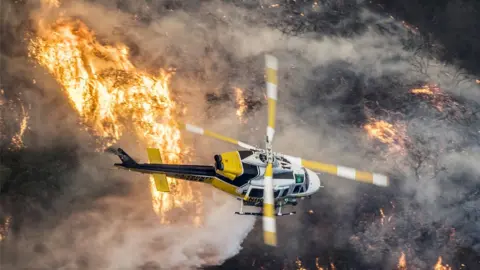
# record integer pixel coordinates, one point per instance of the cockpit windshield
(301, 181)
(299, 176)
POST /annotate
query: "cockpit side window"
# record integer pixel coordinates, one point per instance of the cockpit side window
(256, 193)
(296, 189)
(299, 178)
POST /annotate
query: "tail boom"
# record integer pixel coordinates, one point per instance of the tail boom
(160, 172)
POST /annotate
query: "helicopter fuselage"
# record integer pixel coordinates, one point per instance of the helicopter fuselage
(241, 174)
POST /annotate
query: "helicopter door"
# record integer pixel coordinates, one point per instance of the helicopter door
(282, 192)
(255, 192)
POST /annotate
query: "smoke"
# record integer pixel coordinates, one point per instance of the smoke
(327, 82)
(97, 219)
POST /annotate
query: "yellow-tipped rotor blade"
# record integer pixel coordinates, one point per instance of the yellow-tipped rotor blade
(272, 82)
(345, 172)
(269, 224)
(202, 131)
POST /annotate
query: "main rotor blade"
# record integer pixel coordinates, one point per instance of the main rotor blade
(201, 131)
(272, 82)
(269, 224)
(345, 172)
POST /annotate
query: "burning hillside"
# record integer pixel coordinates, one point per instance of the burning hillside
(112, 96)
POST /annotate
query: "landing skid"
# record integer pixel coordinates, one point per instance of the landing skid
(278, 213)
(261, 214)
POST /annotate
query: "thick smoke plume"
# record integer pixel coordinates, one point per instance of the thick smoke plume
(340, 66)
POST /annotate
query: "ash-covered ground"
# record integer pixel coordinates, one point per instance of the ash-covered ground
(344, 66)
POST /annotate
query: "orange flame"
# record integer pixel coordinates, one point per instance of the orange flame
(402, 262)
(241, 104)
(381, 130)
(434, 93)
(317, 265)
(112, 96)
(440, 266)
(51, 3)
(299, 264)
(394, 136)
(17, 139)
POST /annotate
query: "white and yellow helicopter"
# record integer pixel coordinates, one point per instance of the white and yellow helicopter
(257, 177)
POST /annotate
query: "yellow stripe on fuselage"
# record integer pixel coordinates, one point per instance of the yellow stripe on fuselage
(223, 186)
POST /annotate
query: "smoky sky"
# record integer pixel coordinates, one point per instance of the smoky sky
(341, 64)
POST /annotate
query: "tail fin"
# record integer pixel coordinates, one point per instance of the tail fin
(160, 179)
(124, 157)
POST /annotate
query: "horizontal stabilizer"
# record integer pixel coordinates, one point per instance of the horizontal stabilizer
(161, 183)
(160, 179)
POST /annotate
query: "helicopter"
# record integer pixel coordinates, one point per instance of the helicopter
(256, 177)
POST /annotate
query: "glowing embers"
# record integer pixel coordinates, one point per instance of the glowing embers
(9, 107)
(410, 27)
(112, 97)
(394, 135)
(300, 266)
(298, 262)
(402, 264)
(241, 104)
(5, 227)
(434, 94)
(17, 139)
